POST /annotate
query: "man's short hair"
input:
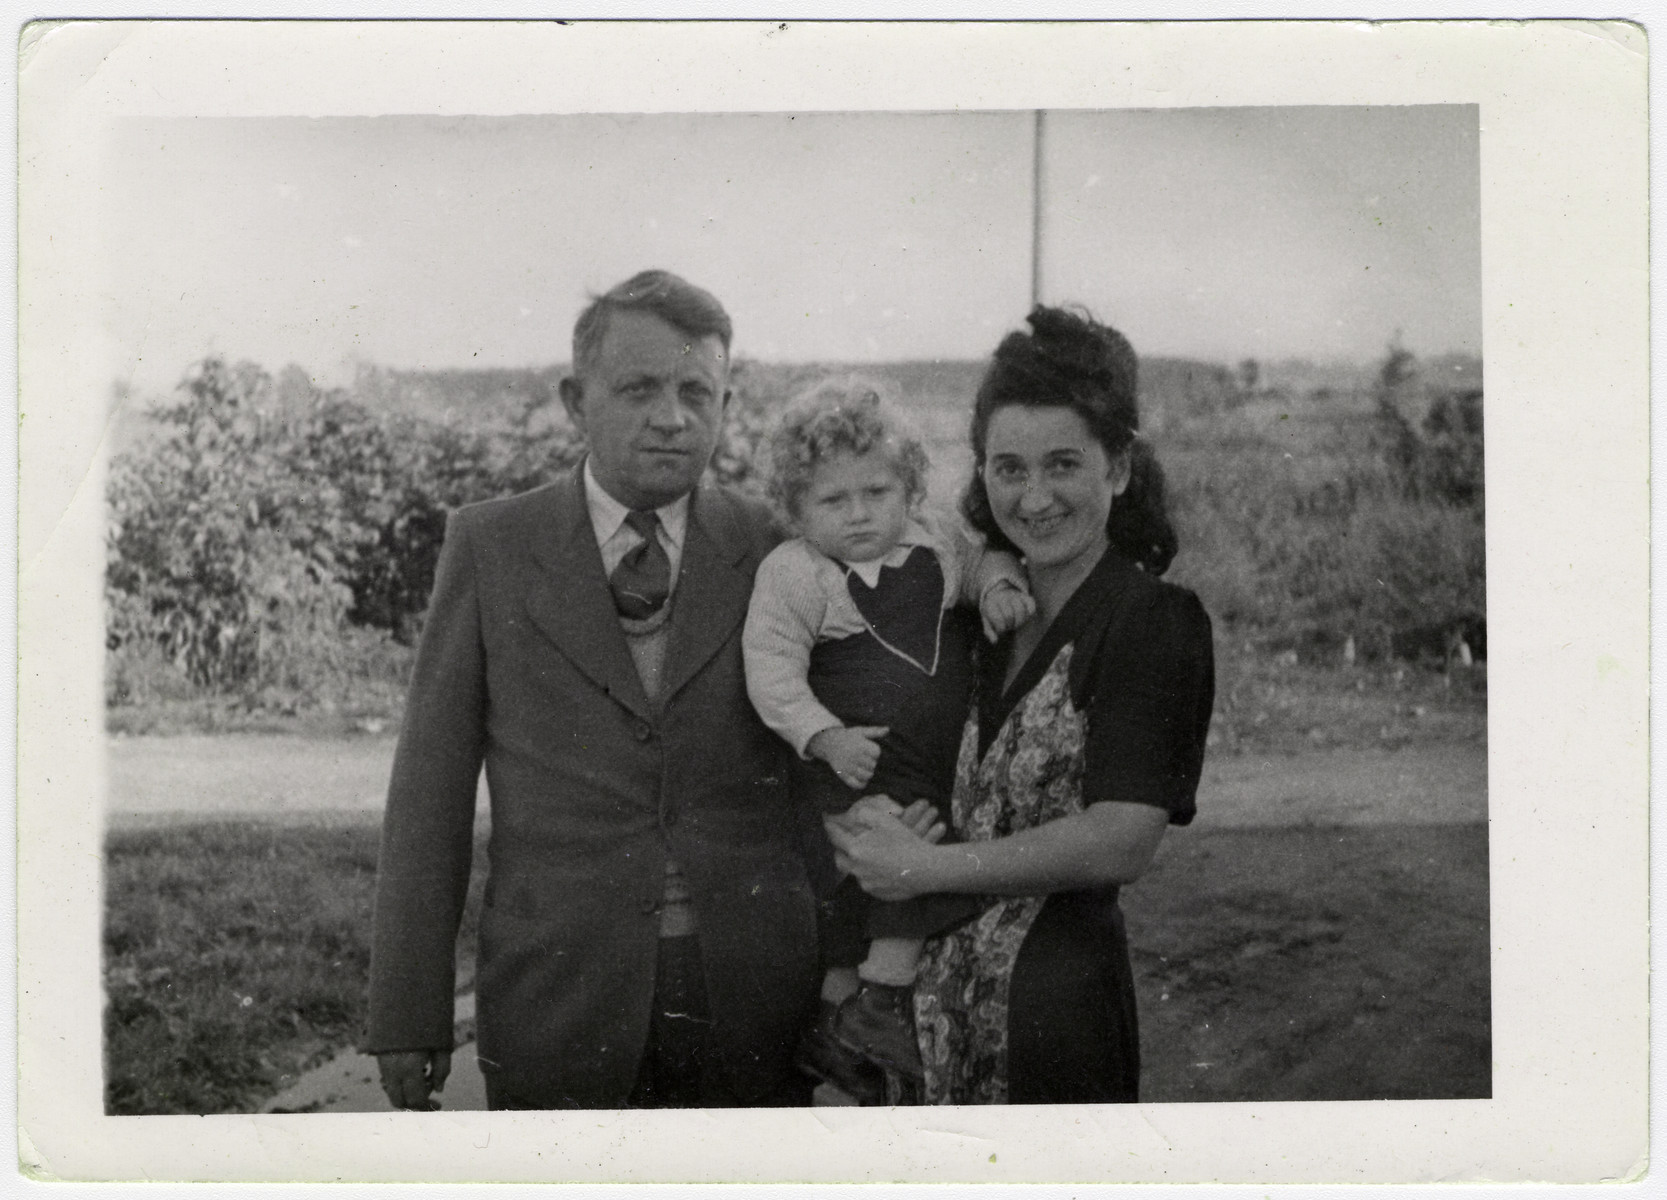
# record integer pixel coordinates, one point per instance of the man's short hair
(672, 298)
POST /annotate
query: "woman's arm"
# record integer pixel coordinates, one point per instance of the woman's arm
(1147, 725)
(1108, 843)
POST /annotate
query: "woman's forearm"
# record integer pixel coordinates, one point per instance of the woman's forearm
(1109, 843)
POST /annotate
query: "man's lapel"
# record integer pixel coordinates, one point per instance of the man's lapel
(571, 603)
(713, 586)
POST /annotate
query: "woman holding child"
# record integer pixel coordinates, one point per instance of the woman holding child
(1084, 741)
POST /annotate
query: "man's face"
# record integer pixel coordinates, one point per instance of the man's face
(650, 403)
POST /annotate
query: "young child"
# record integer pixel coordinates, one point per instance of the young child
(856, 655)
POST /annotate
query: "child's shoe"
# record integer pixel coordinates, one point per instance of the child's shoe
(878, 1022)
(822, 1055)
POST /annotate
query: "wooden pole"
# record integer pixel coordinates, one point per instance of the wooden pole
(1036, 214)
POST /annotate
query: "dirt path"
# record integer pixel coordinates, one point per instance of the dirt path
(153, 778)
(246, 774)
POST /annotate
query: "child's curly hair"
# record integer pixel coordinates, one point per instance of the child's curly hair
(842, 415)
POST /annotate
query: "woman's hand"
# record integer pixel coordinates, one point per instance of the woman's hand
(888, 859)
(1108, 843)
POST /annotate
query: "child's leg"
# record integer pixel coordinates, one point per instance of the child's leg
(891, 961)
(843, 943)
(840, 982)
(878, 1021)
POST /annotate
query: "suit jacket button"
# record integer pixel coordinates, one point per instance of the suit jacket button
(641, 730)
(650, 906)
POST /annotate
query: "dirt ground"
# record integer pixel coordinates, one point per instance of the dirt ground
(1345, 963)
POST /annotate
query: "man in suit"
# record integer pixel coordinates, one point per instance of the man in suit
(648, 933)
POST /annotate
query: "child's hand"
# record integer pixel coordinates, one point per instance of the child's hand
(1005, 607)
(852, 753)
(920, 817)
(923, 821)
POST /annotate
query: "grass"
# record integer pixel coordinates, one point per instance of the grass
(363, 693)
(235, 957)
(1275, 703)
(176, 716)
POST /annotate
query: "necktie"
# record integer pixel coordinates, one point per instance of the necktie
(642, 580)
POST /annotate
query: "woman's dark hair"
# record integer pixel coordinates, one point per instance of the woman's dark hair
(1069, 360)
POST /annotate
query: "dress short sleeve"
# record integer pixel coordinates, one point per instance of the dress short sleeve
(1150, 686)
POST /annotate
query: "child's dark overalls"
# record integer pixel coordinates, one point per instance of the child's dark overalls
(911, 671)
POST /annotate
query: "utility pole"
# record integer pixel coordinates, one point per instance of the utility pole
(1036, 215)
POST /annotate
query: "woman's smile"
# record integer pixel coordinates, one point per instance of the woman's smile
(1043, 527)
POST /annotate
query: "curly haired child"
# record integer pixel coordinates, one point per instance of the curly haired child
(859, 655)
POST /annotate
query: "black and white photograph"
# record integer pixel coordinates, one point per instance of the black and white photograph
(787, 610)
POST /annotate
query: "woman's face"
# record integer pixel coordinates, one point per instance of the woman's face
(1050, 484)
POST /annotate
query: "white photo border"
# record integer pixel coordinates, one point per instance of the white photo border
(1565, 263)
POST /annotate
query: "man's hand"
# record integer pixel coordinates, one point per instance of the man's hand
(1005, 607)
(408, 1076)
(852, 753)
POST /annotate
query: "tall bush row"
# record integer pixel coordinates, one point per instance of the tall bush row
(276, 542)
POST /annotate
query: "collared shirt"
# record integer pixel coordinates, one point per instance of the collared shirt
(616, 539)
(914, 534)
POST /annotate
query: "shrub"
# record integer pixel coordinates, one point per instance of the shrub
(255, 529)
(220, 557)
(1402, 567)
(1375, 531)
(1435, 453)
(1451, 460)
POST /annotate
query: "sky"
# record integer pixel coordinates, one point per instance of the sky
(438, 242)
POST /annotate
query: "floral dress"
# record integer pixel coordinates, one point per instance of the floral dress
(1113, 704)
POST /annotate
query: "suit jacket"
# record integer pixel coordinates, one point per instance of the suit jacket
(523, 666)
